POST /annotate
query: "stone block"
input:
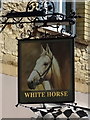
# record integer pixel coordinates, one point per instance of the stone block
(84, 55)
(87, 25)
(78, 52)
(9, 59)
(81, 60)
(82, 87)
(10, 43)
(1, 56)
(8, 69)
(77, 59)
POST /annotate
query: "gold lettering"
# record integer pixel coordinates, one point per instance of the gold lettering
(65, 93)
(35, 94)
(53, 94)
(26, 94)
(32, 94)
(39, 94)
(43, 94)
(48, 94)
(58, 94)
(61, 93)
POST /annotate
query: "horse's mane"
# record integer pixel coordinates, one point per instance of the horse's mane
(56, 79)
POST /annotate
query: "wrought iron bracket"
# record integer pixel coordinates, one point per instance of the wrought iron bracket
(38, 14)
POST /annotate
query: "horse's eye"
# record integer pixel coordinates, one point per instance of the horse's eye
(45, 64)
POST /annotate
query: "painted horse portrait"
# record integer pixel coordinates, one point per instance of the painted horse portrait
(46, 71)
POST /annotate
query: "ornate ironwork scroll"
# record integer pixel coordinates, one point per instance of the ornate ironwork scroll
(38, 14)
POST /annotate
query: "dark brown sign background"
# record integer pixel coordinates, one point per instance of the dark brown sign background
(29, 52)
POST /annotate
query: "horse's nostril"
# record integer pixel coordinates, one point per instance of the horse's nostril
(31, 82)
(31, 85)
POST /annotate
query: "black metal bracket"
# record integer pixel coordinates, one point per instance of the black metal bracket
(38, 14)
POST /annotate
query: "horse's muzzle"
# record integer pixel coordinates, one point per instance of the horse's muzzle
(31, 85)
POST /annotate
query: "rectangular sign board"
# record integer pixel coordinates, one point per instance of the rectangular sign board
(46, 70)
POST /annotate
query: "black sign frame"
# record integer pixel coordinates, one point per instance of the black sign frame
(45, 96)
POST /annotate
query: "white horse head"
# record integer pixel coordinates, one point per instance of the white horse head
(46, 69)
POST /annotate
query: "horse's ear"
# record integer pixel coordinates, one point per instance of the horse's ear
(42, 49)
(48, 50)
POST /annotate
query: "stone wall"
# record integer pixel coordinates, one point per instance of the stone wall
(8, 41)
(9, 48)
(83, 24)
(82, 69)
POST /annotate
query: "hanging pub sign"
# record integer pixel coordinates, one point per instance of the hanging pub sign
(46, 70)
